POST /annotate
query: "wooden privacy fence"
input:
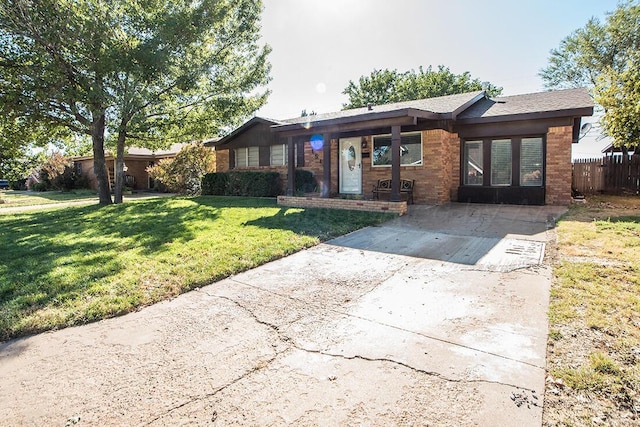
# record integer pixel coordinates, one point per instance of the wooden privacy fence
(610, 174)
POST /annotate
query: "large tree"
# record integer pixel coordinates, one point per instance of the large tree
(618, 92)
(152, 72)
(604, 58)
(385, 86)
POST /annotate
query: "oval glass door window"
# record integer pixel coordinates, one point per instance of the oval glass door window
(351, 158)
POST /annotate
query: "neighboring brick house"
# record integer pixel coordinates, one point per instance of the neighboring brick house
(136, 162)
(466, 147)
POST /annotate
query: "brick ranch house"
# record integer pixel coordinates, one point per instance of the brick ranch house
(136, 161)
(466, 148)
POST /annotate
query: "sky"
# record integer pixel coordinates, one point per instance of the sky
(319, 45)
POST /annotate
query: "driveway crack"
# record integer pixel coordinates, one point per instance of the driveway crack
(408, 366)
(261, 365)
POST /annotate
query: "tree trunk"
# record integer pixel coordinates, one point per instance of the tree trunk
(119, 168)
(99, 162)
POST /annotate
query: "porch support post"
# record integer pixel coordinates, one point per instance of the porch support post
(395, 164)
(326, 165)
(291, 167)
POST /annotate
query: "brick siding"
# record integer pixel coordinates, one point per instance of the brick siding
(558, 180)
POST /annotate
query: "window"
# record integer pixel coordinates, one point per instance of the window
(77, 168)
(410, 150)
(279, 155)
(531, 158)
(473, 165)
(247, 157)
(501, 162)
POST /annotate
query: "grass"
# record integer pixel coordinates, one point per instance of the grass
(80, 264)
(594, 345)
(30, 198)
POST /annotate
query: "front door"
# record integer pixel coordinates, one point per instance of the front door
(350, 166)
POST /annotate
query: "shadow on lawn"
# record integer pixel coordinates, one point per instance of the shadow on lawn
(322, 223)
(40, 246)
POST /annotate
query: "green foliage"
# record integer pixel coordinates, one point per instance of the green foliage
(183, 173)
(122, 70)
(604, 57)
(242, 183)
(386, 86)
(589, 51)
(16, 169)
(305, 181)
(618, 92)
(57, 173)
(215, 183)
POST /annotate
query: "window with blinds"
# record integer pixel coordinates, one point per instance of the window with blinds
(473, 163)
(253, 156)
(247, 157)
(500, 162)
(279, 155)
(531, 162)
(241, 157)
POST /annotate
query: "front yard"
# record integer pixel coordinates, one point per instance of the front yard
(9, 199)
(594, 344)
(79, 264)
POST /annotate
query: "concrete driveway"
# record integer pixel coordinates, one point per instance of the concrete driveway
(435, 318)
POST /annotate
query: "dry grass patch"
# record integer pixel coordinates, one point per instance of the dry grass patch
(594, 343)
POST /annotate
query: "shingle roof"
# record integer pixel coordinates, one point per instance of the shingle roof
(532, 103)
(439, 105)
(470, 107)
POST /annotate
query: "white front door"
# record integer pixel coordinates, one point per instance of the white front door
(350, 166)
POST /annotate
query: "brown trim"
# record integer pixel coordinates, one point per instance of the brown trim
(326, 165)
(264, 155)
(395, 163)
(291, 167)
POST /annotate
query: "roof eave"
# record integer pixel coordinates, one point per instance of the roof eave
(306, 127)
(574, 112)
(243, 128)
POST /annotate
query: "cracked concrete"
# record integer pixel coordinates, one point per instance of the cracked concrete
(435, 318)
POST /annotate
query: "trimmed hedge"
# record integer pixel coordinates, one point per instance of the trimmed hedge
(254, 184)
(215, 183)
(248, 184)
(305, 182)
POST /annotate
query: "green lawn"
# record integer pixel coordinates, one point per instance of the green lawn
(30, 198)
(75, 265)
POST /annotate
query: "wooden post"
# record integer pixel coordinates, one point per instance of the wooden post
(395, 164)
(326, 165)
(291, 167)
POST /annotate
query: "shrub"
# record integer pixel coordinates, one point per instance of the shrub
(57, 173)
(249, 184)
(215, 183)
(305, 181)
(39, 186)
(183, 173)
